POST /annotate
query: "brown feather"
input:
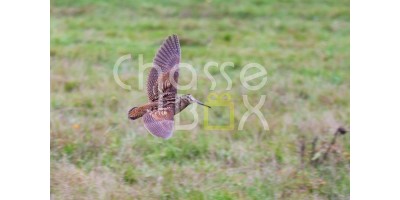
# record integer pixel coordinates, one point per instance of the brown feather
(167, 57)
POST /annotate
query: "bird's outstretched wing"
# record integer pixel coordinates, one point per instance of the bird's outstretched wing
(161, 88)
(160, 122)
(165, 62)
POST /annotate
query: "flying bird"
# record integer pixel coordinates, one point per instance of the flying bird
(158, 113)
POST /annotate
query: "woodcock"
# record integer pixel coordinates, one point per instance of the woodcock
(158, 113)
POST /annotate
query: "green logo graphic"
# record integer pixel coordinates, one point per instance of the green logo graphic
(219, 102)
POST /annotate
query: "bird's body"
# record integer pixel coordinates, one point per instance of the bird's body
(137, 112)
(158, 113)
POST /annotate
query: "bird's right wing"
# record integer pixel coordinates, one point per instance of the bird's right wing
(160, 122)
(166, 60)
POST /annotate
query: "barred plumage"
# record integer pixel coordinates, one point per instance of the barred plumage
(158, 114)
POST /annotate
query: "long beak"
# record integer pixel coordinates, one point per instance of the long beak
(199, 102)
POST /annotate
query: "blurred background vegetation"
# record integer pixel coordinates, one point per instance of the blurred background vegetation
(97, 153)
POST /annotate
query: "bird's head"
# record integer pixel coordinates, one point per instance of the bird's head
(191, 99)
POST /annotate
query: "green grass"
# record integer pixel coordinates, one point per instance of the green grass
(97, 153)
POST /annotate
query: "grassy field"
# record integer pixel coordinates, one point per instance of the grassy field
(97, 153)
